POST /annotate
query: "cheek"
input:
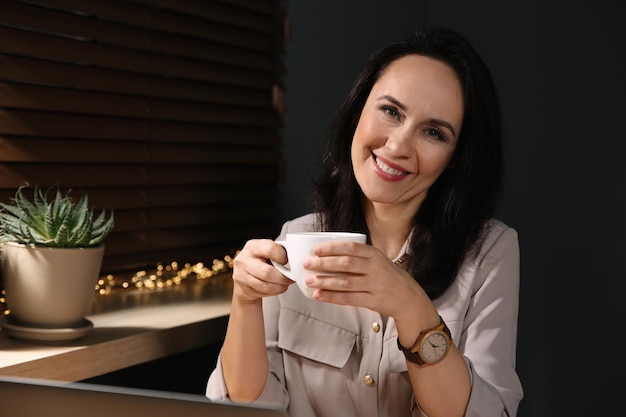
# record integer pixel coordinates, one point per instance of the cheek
(368, 130)
(433, 161)
(359, 153)
(360, 141)
(360, 134)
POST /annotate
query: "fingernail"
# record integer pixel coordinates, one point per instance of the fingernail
(308, 280)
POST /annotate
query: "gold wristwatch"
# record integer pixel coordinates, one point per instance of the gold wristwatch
(431, 347)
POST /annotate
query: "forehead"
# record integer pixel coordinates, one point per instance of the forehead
(422, 65)
(422, 84)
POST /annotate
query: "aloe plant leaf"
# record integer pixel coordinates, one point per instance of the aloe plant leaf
(101, 232)
(52, 219)
(80, 214)
(61, 238)
(14, 211)
(81, 236)
(36, 236)
(30, 212)
(40, 199)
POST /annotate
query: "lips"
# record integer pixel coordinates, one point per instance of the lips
(391, 170)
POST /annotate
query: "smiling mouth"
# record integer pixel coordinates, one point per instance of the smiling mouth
(387, 169)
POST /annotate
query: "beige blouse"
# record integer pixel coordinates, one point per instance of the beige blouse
(328, 360)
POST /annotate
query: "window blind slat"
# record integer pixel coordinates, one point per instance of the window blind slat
(225, 174)
(191, 237)
(26, 15)
(74, 175)
(56, 74)
(144, 197)
(24, 122)
(212, 10)
(84, 28)
(63, 100)
(191, 216)
(210, 27)
(212, 194)
(78, 52)
(164, 131)
(177, 153)
(84, 175)
(28, 149)
(263, 6)
(89, 29)
(21, 122)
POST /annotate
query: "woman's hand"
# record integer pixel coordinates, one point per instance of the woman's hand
(361, 275)
(254, 278)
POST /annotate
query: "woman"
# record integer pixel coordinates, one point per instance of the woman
(413, 161)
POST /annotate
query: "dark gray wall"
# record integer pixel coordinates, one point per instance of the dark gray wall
(560, 72)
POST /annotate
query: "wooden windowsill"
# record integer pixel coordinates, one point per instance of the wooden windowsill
(130, 327)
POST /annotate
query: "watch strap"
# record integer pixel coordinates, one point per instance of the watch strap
(412, 353)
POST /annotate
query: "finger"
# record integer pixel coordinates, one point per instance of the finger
(266, 249)
(337, 283)
(254, 257)
(261, 282)
(341, 297)
(262, 271)
(341, 248)
(336, 264)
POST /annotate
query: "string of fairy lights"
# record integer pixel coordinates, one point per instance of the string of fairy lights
(165, 276)
(160, 277)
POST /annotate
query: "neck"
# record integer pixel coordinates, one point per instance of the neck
(388, 226)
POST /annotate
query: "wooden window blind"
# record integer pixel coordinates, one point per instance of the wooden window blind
(167, 111)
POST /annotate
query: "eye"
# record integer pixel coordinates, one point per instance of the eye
(435, 134)
(391, 111)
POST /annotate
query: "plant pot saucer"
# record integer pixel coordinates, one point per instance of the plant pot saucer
(45, 334)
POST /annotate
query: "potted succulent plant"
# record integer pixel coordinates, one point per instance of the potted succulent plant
(52, 249)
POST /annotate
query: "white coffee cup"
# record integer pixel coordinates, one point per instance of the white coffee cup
(299, 247)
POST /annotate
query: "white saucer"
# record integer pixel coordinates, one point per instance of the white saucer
(45, 334)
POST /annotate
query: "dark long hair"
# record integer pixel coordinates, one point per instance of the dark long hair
(452, 217)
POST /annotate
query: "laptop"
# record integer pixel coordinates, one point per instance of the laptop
(26, 397)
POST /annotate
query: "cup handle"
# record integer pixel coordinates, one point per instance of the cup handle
(283, 269)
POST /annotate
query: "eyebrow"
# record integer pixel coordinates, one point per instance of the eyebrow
(401, 106)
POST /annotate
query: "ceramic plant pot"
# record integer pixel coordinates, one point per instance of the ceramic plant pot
(50, 287)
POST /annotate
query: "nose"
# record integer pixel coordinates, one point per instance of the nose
(399, 142)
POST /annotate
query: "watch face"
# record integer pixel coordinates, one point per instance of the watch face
(435, 347)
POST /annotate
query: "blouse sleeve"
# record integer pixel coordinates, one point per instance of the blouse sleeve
(274, 394)
(489, 335)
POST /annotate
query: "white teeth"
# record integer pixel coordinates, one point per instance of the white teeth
(386, 168)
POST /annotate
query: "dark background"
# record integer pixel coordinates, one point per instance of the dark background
(559, 68)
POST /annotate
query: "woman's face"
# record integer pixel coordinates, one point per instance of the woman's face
(407, 131)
